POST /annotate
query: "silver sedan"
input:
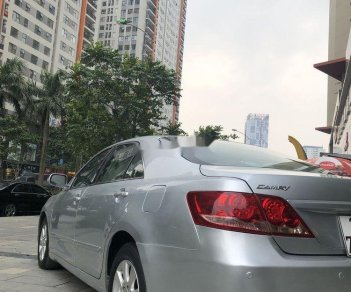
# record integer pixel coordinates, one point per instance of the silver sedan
(172, 214)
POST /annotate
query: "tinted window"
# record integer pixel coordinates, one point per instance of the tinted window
(117, 163)
(241, 155)
(88, 173)
(136, 168)
(22, 189)
(38, 190)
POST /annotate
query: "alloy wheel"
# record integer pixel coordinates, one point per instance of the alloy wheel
(10, 210)
(126, 278)
(42, 242)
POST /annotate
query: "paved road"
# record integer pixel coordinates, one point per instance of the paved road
(18, 264)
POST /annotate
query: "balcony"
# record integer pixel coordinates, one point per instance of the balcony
(92, 3)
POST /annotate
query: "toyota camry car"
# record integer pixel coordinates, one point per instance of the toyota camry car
(175, 214)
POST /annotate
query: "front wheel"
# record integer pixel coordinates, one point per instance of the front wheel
(9, 210)
(44, 260)
(127, 273)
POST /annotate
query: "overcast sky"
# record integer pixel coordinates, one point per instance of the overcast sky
(257, 56)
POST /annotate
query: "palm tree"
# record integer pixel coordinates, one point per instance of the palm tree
(173, 129)
(12, 85)
(48, 101)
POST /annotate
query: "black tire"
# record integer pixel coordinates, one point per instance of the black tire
(129, 253)
(9, 210)
(44, 261)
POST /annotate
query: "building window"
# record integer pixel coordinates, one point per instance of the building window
(50, 23)
(34, 59)
(14, 32)
(25, 22)
(24, 37)
(35, 45)
(16, 17)
(22, 53)
(37, 30)
(45, 65)
(12, 48)
(39, 15)
(47, 51)
(52, 9)
(18, 2)
(32, 74)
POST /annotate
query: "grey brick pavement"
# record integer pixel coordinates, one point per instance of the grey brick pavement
(18, 265)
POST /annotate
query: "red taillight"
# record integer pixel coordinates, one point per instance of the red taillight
(246, 213)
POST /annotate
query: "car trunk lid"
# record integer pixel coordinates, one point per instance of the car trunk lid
(319, 199)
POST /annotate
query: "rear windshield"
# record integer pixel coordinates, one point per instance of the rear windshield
(224, 153)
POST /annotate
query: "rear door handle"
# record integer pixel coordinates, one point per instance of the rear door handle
(121, 194)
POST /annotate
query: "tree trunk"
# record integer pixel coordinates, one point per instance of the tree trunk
(44, 148)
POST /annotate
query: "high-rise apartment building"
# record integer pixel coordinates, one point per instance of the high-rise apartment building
(256, 130)
(156, 29)
(46, 35)
(50, 35)
(88, 24)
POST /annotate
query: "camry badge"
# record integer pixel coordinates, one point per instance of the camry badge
(276, 188)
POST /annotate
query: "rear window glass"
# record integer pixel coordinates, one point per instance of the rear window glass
(224, 153)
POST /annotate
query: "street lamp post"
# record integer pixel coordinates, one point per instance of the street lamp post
(124, 21)
(246, 138)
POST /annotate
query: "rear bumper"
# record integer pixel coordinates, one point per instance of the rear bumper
(239, 262)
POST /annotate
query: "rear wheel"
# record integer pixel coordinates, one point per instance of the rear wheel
(44, 260)
(9, 210)
(127, 273)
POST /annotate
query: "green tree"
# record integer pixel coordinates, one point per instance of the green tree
(12, 85)
(14, 133)
(57, 153)
(212, 133)
(115, 97)
(48, 100)
(173, 129)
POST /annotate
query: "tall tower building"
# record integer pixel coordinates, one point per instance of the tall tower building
(46, 35)
(88, 24)
(313, 151)
(28, 32)
(51, 35)
(256, 130)
(156, 29)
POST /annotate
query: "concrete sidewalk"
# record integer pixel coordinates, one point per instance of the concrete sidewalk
(19, 270)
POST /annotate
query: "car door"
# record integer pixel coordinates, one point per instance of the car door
(65, 208)
(101, 206)
(41, 196)
(24, 199)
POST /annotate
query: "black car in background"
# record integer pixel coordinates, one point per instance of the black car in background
(19, 197)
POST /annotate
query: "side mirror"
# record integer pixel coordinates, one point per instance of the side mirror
(57, 180)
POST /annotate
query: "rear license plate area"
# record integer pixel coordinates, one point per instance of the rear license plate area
(345, 224)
